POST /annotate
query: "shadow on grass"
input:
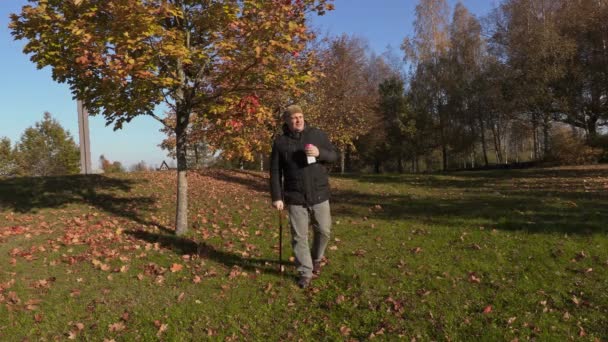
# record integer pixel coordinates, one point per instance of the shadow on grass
(182, 246)
(256, 181)
(30, 194)
(532, 211)
(563, 180)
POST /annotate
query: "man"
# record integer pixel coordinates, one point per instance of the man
(298, 175)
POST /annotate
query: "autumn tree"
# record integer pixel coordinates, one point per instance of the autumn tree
(583, 88)
(47, 149)
(342, 101)
(529, 43)
(110, 167)
(464, 64)
(123, 58)
(425, 50)
(372, 145)
(7, 158)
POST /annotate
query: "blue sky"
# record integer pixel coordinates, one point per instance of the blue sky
(26, 92)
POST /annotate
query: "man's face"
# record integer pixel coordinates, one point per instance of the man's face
(295, 122)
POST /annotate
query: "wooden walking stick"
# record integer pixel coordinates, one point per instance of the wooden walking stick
(280, 242)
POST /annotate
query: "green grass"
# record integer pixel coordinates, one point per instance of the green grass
(489, 256)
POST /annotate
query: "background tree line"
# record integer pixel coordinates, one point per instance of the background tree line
(526, 83)
(47, 149)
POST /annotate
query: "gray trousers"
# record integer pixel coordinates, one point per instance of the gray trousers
(299, 219)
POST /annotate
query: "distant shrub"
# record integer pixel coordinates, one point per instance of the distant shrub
(570, 149)
(601, 142)
(139, 167)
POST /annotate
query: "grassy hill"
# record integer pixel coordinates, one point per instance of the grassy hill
(499, 255)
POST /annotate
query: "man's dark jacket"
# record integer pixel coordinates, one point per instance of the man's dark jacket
(290, 174)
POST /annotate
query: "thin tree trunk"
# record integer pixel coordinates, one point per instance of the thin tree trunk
(591, 128)
(196, 156)
(342, 159)
(181, 215)
(497, 147)
(546, 136)
(535, 136)
(484, 147)
(261, 162)
(377, 165)
(444, 152)
(506, 144)
(348, 159)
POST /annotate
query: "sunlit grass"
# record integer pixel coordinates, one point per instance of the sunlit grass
(462, 256)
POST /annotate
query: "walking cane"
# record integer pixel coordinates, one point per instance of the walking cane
(280, 242)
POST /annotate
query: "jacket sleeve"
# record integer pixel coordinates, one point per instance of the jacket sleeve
(276, 174)
(327, 151)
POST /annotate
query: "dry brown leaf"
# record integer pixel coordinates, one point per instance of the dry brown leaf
(116, 327)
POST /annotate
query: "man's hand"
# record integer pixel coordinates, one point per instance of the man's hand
(311, 150)
(278, 204)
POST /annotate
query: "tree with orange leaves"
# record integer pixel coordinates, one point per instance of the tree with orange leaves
(123, 58)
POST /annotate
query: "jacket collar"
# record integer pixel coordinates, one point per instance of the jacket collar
(291, 134)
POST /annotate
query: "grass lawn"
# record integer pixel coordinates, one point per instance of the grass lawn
(498, 255)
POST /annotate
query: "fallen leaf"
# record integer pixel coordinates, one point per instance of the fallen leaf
(176, 268)
(473, 278)
(162, 328)
(360, 252)
(32, 304)
(487, 309)
(576, 300)
(115, 327)
(38, 317)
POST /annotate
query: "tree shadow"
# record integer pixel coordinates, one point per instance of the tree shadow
(562, 179)
(183, 246)
(31, 194)
(530, 210)
(256, 181)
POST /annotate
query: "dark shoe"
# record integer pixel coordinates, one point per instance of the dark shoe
(316, 269)
(304, 282)
(317, 265)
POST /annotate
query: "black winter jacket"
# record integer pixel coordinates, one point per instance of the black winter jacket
(292, 179)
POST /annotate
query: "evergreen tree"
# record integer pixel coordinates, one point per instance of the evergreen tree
(46, 149)
(398, 119)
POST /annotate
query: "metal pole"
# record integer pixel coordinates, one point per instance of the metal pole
(85, 144)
